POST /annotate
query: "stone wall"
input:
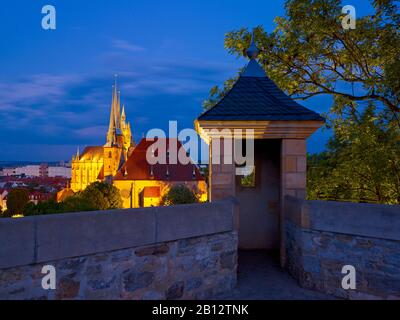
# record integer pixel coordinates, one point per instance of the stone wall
(122, 254)
(322, 237)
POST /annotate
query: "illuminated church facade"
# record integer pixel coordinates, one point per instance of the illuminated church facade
(101, 163)
(121, 163)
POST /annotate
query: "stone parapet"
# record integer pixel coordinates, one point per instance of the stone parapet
(322, 237)
(187, 251)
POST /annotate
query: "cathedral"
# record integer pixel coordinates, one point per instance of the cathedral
(101, 163)
(122, 163)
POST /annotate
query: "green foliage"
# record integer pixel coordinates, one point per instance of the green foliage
(97, 196)
(102, 196)
(249, 180)
(72, 204)
(16, 201)
(362, 163)
(309, 53)
(179, 194)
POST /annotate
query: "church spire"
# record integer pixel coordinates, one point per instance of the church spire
(112, 128)
(123, 118)
(118, 111)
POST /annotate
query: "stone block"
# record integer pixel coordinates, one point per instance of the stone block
(294, 147)
(228, 260)
(67, 288)
(295, 180)
(175, 291)
(290, 164)
(156, 250)
(301, 163)
(134, 280)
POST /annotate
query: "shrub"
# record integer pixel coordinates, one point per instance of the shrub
(16, 201)
(179, 194)
(102, 196)
(97, 196)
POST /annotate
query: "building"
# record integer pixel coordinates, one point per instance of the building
(143, 185)
(28, 171)
(98, 163)
(59, 171)
(6, 172)
(280, 127)
(121, 163)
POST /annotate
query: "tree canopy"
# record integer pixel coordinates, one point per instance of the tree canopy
(97, 196)
(179, 194)
(16, 201)
(309, 53)
(362, 161)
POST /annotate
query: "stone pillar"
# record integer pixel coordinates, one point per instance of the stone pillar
(221, 173)
(293, 179)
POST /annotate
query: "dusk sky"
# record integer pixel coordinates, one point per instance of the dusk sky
(55, 85)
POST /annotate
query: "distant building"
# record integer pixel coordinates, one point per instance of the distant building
(37, 196)
(29, 171)
(64, 172)
(121, 163)
(98, 163)
(6, 172)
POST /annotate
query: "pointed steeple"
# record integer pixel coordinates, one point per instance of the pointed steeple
(112, 128)
(118, 111)
(123, 124)
(123, 116)
(77, 153)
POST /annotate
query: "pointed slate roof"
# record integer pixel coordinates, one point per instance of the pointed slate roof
(254, 96)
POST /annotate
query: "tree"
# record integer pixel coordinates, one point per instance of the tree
(362, 162)
(97, 196)
(179, 194)
(102, 196)
(16, 201)
(44, 207)
(310, 53)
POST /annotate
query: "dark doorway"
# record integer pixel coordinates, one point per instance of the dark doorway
(259, 196)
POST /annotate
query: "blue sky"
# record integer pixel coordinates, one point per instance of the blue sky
(55, 86)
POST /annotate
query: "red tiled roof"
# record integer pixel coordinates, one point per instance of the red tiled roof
(151, 192)
(138, 168)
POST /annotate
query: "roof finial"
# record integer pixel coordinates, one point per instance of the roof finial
(252, 51)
